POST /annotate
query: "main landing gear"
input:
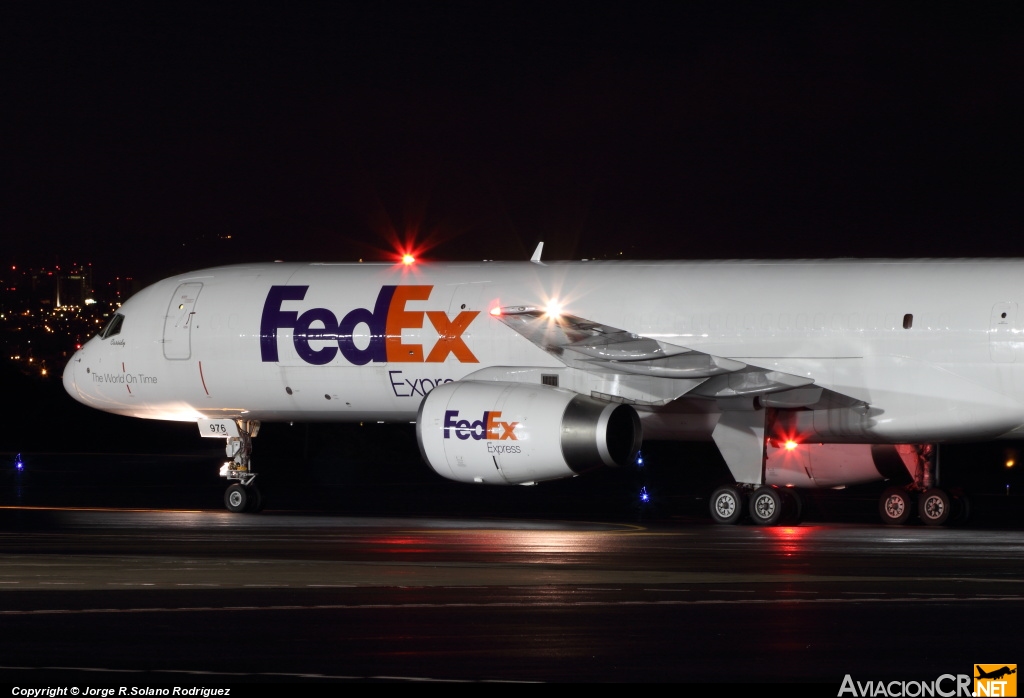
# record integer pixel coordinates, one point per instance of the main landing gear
(740, 437)
(934, 505)
(241, 495)
(766, 505)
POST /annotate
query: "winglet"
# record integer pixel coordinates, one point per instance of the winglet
(536, 252)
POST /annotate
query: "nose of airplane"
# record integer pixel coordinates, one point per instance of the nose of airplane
(70, 385)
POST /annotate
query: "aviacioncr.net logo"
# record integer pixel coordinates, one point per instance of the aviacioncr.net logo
(945, 686)
(995, 680)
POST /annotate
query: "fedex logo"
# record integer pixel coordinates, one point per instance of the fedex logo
(385, 322)
(486, 428)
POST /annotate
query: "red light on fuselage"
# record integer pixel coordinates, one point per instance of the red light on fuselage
(496, 311)
(790, 445)
(408, 259)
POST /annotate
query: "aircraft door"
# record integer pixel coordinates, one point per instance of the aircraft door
(465, 297)
(178, 321)
(1003, 334)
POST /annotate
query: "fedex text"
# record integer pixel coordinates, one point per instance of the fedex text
(410, 387)
(489, 427)
(318, 335)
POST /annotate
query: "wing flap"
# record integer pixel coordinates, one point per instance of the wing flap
(627, 366)
(689, 365)
(751, 381)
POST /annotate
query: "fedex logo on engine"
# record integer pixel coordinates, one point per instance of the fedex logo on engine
(489, 427)
(318, 334)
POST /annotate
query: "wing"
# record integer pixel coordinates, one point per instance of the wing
(623, 366)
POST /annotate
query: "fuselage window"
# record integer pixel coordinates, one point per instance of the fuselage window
(113, 327)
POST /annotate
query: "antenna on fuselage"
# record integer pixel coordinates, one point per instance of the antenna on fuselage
(536, 253)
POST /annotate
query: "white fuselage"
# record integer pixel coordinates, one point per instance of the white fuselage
(222, 343)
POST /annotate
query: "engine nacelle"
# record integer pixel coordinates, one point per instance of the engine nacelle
(516, 433)
(832, 465)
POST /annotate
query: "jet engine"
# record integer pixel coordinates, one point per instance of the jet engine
(518, 434)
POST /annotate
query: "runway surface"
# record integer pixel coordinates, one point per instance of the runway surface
(147, 597)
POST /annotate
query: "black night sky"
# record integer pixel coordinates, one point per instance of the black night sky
(150, 141)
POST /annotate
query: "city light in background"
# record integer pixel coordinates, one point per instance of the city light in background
(48, 313)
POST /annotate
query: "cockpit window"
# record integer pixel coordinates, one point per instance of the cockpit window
(113, 327)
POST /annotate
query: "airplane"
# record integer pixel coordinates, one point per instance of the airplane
(804, 373)
(994, 674)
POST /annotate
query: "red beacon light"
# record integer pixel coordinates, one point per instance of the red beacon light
(790, 445)
(408, 260)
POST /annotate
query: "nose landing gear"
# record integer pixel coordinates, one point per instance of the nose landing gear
(239, 498)
(241, 495)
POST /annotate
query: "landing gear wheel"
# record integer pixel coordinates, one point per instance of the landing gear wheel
(237, 498)
(766, 505)
(961, 509)
(895, 506)
(793, 507)
(727, 505)
(256, 499)
(934, 507)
